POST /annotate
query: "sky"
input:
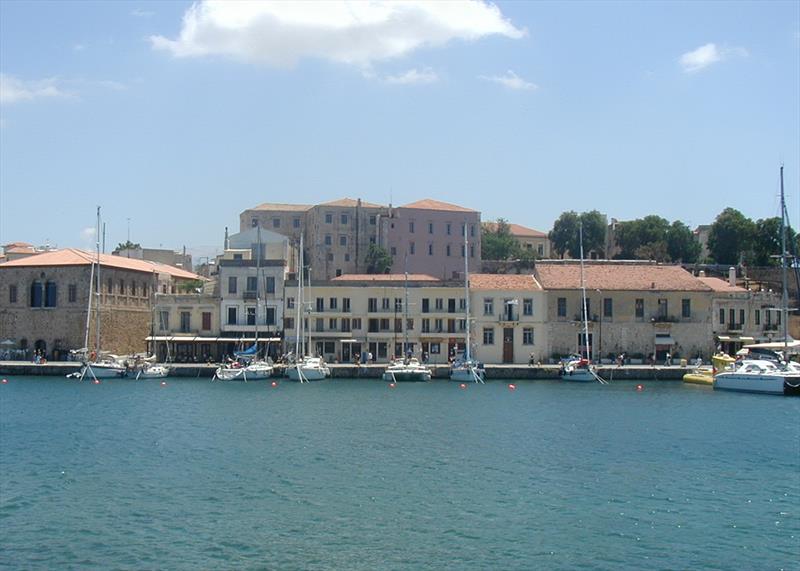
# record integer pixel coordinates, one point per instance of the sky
(176, 116)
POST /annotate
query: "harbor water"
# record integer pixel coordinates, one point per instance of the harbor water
(353, 474)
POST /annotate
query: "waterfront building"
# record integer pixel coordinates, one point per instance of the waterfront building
(529, 239)
(639, 308)
(44, 300)
(187, 328)
(423, 237)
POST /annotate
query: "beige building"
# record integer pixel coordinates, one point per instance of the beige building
(162, 256)
(44, 301)
(529, 239)
(640, 308)
(186, 328)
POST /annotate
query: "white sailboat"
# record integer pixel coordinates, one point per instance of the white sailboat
(407, 368)
(94, 365)
(248, 366)
(773, 375)
(467, 370)
(581, 369)
(305, 368)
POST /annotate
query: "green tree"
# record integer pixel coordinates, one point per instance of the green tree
(767, 241)
(497, 243)
(378, 260)
(565, 235)
(127, 246)
(730, 237)
(682, 245)
(633, 235)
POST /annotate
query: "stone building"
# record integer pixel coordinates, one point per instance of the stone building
(44, 301)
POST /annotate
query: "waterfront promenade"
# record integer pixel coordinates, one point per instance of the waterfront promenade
(375, 371)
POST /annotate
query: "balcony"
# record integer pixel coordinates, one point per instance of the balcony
(249, 295)
(664, 319)
(735, 327)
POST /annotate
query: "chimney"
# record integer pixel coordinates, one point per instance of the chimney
(702, 274)
(732, 276)
(225, 245)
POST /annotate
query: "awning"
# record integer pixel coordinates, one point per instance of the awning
(735, 339)
(664, 340)
(349, 341)
(179, 339)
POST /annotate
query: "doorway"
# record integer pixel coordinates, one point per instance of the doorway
(508, 345)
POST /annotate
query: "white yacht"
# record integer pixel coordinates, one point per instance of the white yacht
(407, 370)
(759, 376)
(153, 372)
(254, 371)
(309, 369)
(467, 370)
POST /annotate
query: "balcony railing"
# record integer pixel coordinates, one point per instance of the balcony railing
(664, 319)
(250, 295)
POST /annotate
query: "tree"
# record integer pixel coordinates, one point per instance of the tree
(731, 237)
(127, 246)
(565, 235)
(497, 243)
(378, 260)
(682, 245)
(633, 235)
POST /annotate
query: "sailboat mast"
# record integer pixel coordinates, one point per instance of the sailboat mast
(405, 313)
(466, 292)
(298, 302)
(784, 293)
(258, 287)
(583, 297)
(97, 293)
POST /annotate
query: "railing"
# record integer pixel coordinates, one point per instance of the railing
(249, 295)
(664, 319)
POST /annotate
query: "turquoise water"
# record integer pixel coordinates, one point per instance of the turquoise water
(355, 475)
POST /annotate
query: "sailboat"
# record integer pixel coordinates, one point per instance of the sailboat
(248, 366)
(149, 369)
(467, 369)
(407, 367)
(304, 368)
(765, 371)
(93, 364)
(581, 369)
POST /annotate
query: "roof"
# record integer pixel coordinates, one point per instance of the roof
(349, 202)
(719, 285)
(430, 204)
(617, 276)
(75, 257)
(517, 230)
(279, 207)
(503, 282)
(384, 278)
(18, 245)
(20, 250)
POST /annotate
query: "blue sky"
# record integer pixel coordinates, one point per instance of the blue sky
(178, 117)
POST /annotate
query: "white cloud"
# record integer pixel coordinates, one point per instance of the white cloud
(14, 90)
(358, 33)
(413, 76)
(707, 55)
(511, 80)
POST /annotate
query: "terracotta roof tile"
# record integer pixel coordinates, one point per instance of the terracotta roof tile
(278, 207)
(384, 278)
(617, 276)
(349, 202)
(503, 282)
(720, 285)
(18, 245)
(430, 204)
(517, 230)
(75, 257)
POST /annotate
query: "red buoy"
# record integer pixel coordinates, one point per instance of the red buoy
(463, 386)
(639, 388)
(512, 386)
(163, 383)
(274, 384)
(392, 385)
(4, 381)
(97, 381)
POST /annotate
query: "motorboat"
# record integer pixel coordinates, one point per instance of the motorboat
(103, 370)
(407, 370)
(308, 369)
(759, 376)
(704, 374)
(153, 372)
(578, 370)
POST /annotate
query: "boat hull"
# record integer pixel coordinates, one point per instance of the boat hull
(155, 372)
(699, 378)
(579, 376)
(104, 372)
(308, 373)
(407, 376)
(764, 384)
(467, 375)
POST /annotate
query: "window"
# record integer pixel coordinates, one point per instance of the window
(320, 304)
(472, 230)
(330, 257)
(488, 336)
(471, 251)
(722, 316)
(328, 218)
(12, 294)
(133, 288)
(251, 315)
(232, 317)
(463, 251)
(639, 308)
(252, 283)
(385, 304)
(50, 294)
(372, 219)
(757, 315)
(426, 305)
(270, 284)
(122, 287)
(527, 336)
(398, 304)
(384, 325)
(540, 249)
(430, 227)
(333, 303)
(686, 308)
(296, 223)
(451, 325)
(411, 248)
(276, 222)
(144, 290)
(232, 284)
(462, 325)
(346, 304)
(109, 286)
(393, 250)
(741, 318)
(438, 325)
(163, 320)
(398, 325)
(451, 305)
(206, 320)
(345, 324)
(608, 307)
(253, 222)
(447, 250)
(356, 323)
(436, 348)
(372, 304)
(439, 303)
(288, 322)
(270, 315)
(343, 218)
(289, 303)
(319, 324)
(426, 325)
(411, 227)
(662, 307)
(347, 257)
(72, 293)
(527, 306)
(328, 240)
(333, 324)
(37, 294)
(561, 308)
(448, 226)
(488, 306)
(731, 317)
(343, 240)
(430, 249)
(186, 321)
